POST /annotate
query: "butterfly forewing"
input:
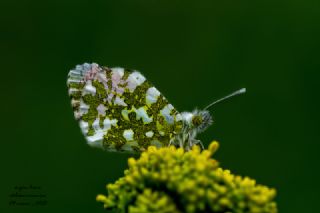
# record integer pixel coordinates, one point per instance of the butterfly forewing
(119, 110)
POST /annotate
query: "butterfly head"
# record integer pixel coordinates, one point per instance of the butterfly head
(198, 120)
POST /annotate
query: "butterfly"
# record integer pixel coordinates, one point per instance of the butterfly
(120, 110)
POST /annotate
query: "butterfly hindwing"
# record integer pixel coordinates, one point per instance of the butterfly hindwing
(119, 110)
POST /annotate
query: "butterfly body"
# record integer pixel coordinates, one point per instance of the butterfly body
(119, 110)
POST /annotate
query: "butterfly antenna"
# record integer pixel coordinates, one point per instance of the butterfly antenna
(238, 92)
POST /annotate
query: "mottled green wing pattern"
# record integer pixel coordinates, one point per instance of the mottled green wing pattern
(119, 110)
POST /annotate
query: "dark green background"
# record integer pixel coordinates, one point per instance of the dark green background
(194, 52)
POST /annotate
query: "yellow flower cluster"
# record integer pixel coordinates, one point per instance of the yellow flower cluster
(170, 180)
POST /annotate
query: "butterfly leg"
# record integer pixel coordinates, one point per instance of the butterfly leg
(177, 141)
(201, 144)
(196, 142)
(171, 142)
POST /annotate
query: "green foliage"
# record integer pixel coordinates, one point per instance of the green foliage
(172, 180)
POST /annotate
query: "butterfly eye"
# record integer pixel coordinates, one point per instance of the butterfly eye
(197, 120)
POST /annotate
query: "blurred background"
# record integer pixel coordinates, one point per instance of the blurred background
(194, 52)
